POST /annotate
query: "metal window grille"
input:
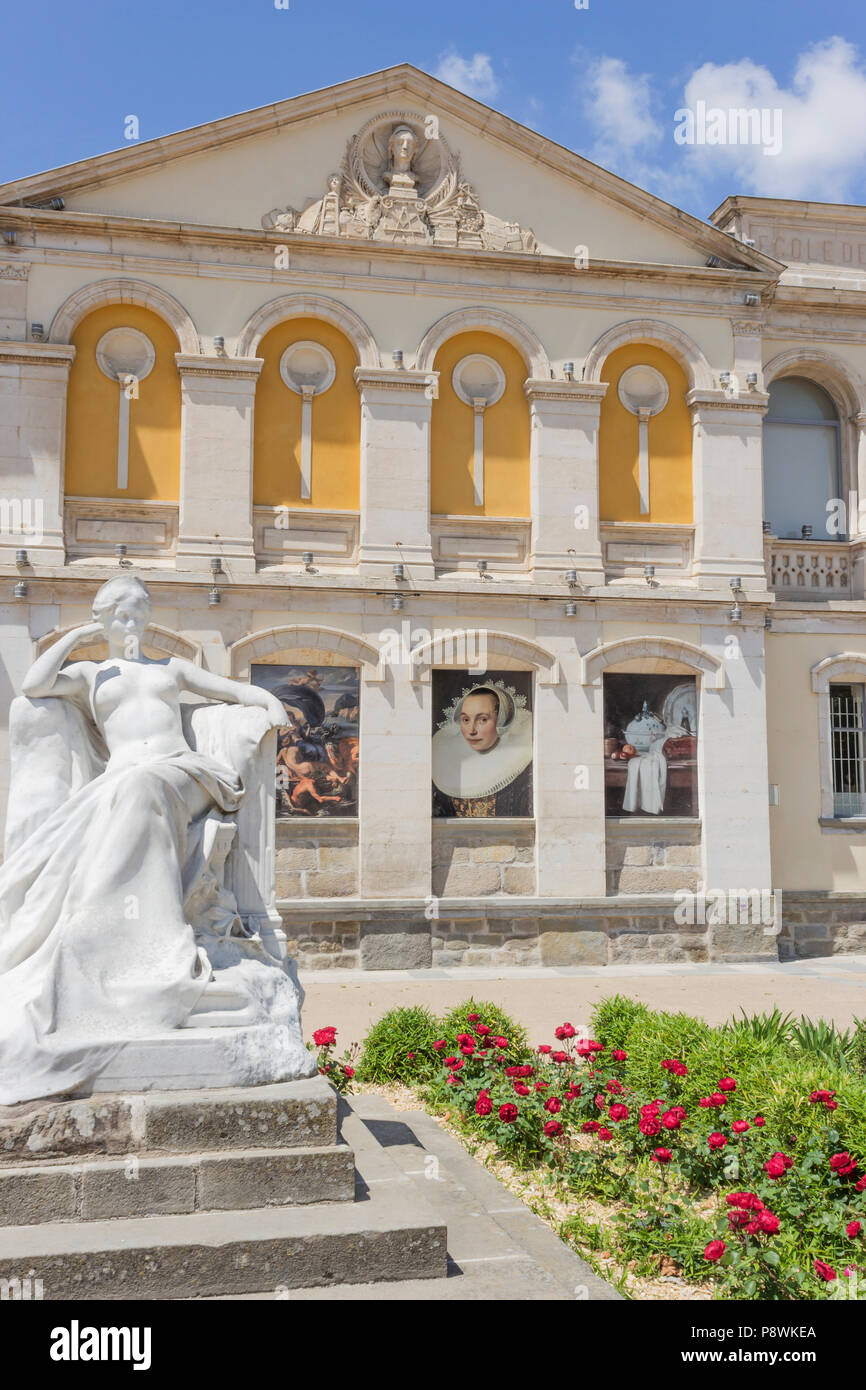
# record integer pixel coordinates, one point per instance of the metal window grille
(849, 744)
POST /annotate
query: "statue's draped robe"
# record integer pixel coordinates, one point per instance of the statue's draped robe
(95, 943)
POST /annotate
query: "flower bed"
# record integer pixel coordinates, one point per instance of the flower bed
(726, 1154)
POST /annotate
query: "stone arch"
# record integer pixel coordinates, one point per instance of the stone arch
(316, 306)
(664, 335)
(841, 381)
(161, 640)
(124, 291)
(653, 654)
(351, 649)
(455, 648)
(527, 343)
(847, 666)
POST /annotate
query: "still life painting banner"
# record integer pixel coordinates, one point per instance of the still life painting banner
(317, 755)
(650, 745)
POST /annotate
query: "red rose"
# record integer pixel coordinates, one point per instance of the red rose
(454, 1080)
(590, 1126)
(670, 1120)
(738, 1218)
(508, 1113)
(650, 1111)
(825, 1271)
(860, 1185)
(499, 1041)
(777, 1165)
(349, 1071)
(565, 1030)
(649, 1126)
(482, 1030)
(618, 1112)
(759, 1121)
(744, 1199)
(520, 1089)
(439, 1044)
(455, 1063)
(715, 1250)
(544, 1047)
(325, 1037)
(464, 1038)
(614, 1086)
(727, 1083)
(605, 1134)
(768, 1222)
(483, 1106)
(619, 1056)
(586, 1046)
(552, 1105)
(519, 1071)
(573, 1092)
(560, 1057)
(472, 1018)
(600, 1102)
(740, 1126)
(678, 1068)
(853, 1228)
(661, 1155)
(717, 1141)
(552, 1127)
(843, 1164)
(542, 1085)
(411, 1056)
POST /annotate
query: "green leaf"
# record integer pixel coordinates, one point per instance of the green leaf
(771, 1258)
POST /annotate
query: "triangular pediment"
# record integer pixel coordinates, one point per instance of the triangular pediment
(465, 177)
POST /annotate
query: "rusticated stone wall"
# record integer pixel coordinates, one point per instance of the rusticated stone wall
(316, 858)
(652, 855)
(483, 858)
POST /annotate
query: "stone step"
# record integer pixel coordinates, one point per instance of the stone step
(134, 1186)
(389, 1236)
(292, 1115)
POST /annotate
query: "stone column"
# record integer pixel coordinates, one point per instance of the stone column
(396, 406)
(564, 419)
(395, 796)
(216, 462)
(569, 779)
(33, 382)
(857, 520)
(728, 489)
(734, 797)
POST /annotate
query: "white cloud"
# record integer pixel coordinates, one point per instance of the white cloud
(619, 105)
(823, 124)
(471, 75)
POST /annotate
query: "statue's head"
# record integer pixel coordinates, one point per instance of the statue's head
(401, 147)
(123, 607)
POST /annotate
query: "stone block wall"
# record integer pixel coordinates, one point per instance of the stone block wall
(478, 859)
(822, 924)
(316, 858)
(652, 855)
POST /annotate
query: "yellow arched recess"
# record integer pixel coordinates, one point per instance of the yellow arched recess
(154, 417)
(670, 444)
(506, 435)
(336, 425)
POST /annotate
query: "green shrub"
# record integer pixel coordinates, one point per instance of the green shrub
(386, 1048)
(823, 1041)
(774, 1027)
(457, 1021)
(613, 1018)
(858, 1046)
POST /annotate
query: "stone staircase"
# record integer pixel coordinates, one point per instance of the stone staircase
(191, 1194)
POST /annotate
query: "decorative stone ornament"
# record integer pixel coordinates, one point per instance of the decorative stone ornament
(644, 392)
(397, 185)
(126, 356)
(308, 369)
(479, 382)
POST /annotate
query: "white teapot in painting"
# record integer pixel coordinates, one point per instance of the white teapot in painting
(644, 729)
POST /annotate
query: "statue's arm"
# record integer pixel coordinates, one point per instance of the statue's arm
(45, 676)
(212, 687)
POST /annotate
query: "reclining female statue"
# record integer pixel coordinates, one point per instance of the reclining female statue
(97, 941)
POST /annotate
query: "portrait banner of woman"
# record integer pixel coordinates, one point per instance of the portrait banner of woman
(482, 744)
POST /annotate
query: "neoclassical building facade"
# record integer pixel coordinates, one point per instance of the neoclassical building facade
(384, 394)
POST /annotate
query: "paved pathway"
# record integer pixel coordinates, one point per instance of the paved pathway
(539, 998)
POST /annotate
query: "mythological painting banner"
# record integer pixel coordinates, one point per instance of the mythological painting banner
(482, 743)
(317, 755)
(650, 745)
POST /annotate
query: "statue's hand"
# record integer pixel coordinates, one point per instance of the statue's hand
(277, 713)
(89, 630)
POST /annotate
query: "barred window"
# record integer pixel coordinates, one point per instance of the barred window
(847, 734)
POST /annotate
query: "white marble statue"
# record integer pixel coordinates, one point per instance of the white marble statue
(124, 960)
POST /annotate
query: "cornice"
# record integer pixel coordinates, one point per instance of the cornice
(707, 402)
(394, 379)
(586, 391)
(37, 354)
(14, 270)
(231, 367)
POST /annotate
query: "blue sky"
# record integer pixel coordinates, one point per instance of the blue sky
(606, 81)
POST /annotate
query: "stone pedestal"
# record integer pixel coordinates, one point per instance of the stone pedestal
(396, 407)
(216, 462)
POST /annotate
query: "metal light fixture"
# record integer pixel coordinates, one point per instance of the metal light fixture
(10, 236)
(736, 614)
(120, 552)
(37, 332)
(20, 590)
(219, 345)
(649, 572)
(806, 533)
(713, 261)
(753, 300)
(21, 557)
(307, 558)
(214, 597)
(736, 584)
(768, 621)
(767, 528)
(398, 603)
(216, 565)
(398, 571)
(397, 357)
(568, 371)
(725, 379)
(571, 609)
(571, 576)
(481, 566)
(752, 380)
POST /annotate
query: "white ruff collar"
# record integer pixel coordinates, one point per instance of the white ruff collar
(458, 771)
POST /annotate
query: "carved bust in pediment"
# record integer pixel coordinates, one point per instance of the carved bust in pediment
(400, 183)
